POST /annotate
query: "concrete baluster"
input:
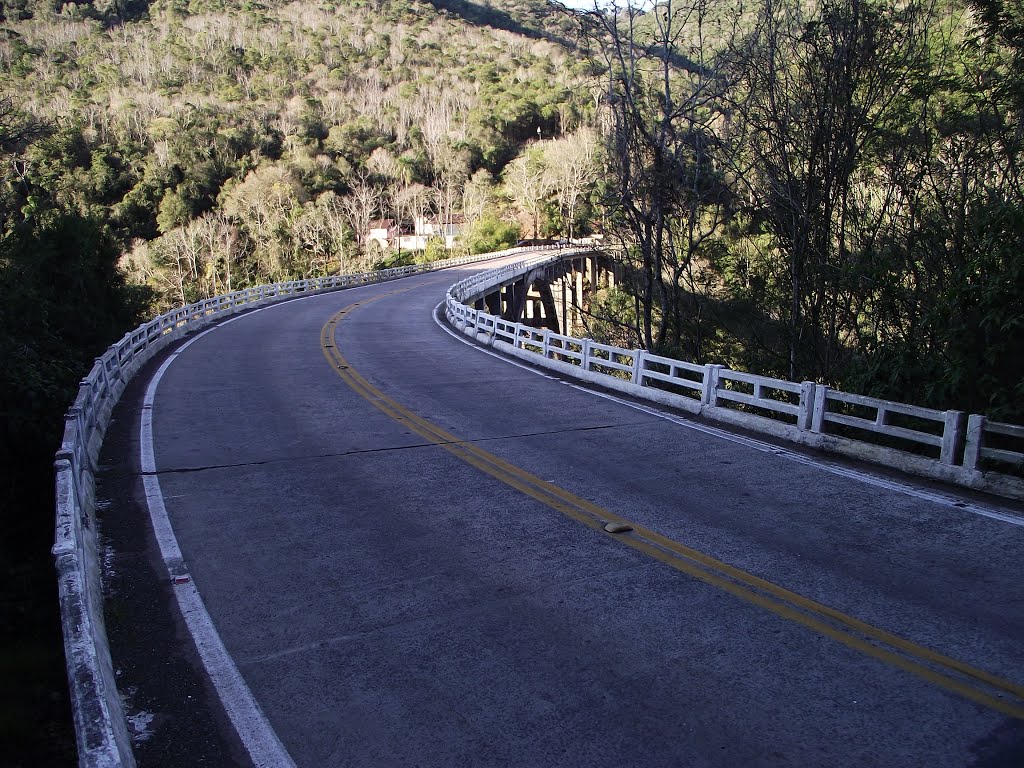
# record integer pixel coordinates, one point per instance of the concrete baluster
(952, 437)
(84, 430)
(638, 367)
(68, 515)
(975, 440)
(102, 365)
(881, 416)
(115, 356)
(83, 413)
(709, 390)
(806, 413)
(585, 352)
(820, 409)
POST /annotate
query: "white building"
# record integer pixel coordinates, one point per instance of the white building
(386, 233)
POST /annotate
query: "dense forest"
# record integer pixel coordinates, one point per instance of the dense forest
(827, 192)
(823, 190)
(226, 146)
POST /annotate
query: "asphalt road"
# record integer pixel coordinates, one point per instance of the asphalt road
(399, 541)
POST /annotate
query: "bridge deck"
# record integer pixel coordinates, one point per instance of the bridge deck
(390, 533)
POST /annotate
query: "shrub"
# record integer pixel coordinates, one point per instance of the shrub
(491, 234)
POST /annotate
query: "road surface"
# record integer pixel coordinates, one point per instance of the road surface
(400, 543)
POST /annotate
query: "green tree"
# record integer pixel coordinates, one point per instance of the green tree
(826, 93)
(173, 213)
(490, 234)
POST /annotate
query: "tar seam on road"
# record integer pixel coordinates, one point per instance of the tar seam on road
(975, 684)
(364, 451)
(251, 724)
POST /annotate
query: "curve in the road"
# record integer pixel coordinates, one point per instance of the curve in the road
(954, 675)
(247, 718)
(382, 565)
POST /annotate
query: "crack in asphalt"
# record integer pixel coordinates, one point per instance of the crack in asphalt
(472, 604)
(360, 451)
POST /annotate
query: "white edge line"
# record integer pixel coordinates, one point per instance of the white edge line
(257, 735)
(759, 445)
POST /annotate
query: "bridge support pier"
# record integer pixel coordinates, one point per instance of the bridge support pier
(547, 300)
(554, 296)
(493, 301)
(511, 301)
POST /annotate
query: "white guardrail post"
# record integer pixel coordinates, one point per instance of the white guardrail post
(637, 376)
(820, 409)
(952, 436)
(972, 447)
(709, 392)
(807, 400)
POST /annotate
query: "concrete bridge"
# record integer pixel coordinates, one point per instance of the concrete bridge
(337, 532)
(553, 295)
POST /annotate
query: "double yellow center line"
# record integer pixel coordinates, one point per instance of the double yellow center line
(972, 683)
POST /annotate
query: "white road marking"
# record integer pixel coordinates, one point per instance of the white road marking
(258, 736)
(458, 336)
(878, 481)
(255, 731)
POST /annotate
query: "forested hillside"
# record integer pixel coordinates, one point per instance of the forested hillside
(258, 139)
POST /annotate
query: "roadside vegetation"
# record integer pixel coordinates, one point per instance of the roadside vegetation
(64, 302)
(824, 191)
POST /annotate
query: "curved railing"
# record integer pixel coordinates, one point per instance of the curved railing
(966, 450)
(802, 412)
(101, 730)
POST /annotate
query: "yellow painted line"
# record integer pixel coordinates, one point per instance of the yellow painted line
(849, 631)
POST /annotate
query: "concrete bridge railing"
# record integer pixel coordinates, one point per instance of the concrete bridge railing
(970, 451)
(102, 734)
(802, 412)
